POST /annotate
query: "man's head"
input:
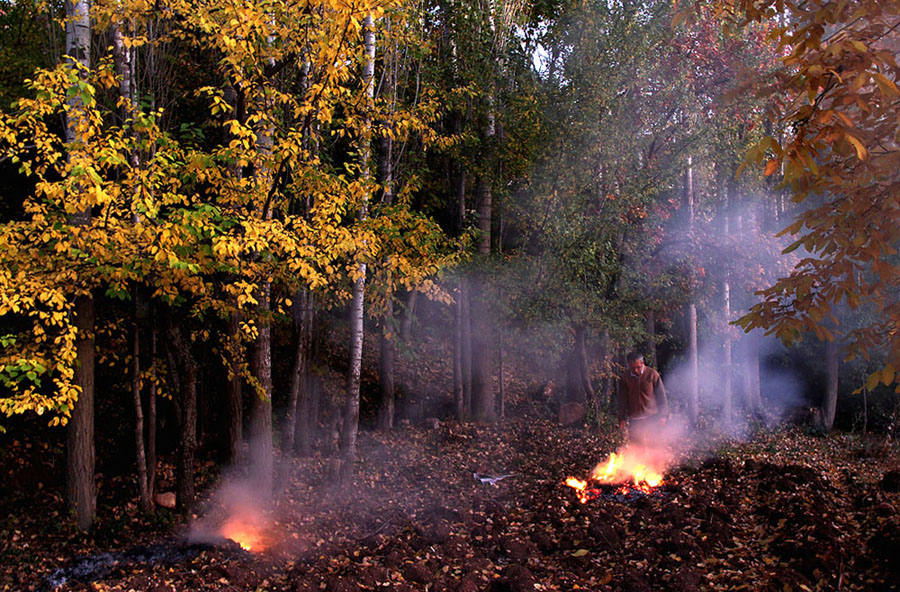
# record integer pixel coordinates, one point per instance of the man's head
(635, 362)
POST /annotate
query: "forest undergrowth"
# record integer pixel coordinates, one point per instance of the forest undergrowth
(785, 510)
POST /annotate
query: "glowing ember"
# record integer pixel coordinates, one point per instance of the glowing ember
(243, 532)
(626, 468)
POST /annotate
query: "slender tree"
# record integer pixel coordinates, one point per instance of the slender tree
(80, 450)
(357, 305)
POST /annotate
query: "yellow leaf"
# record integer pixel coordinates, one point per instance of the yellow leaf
(861, 151)
(887, 86)
(873, 380)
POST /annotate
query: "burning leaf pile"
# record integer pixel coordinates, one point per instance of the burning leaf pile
(245, 532)
(625, 476)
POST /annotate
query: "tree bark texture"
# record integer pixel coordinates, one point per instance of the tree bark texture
(481, 333)
(727, 387)
(307, 405)
(459, 399)
(186, 385)
(693, 365)
(386, 370)
(151, 411)
(298, 374)
(752, 394)
(80, 458)
(482, 354)
(409, 314)
(357, 304)
(832, 366)
(261, 461)
(693, 394)
(234, 432)
(388, 334)
(139, 422)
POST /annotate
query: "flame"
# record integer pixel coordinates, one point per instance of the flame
(626, 468)
(580, 488)
(243, 532)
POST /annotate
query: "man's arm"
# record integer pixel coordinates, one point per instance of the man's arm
(659, 392)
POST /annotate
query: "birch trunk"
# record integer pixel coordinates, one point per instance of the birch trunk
(693, 394)
(351, 410)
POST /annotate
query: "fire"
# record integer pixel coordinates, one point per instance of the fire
(244, 532)
(576, 483)
(627, 468)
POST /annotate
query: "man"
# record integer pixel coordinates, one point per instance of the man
(642, 400)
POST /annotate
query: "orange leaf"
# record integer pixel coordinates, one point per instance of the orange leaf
(861, 151)
(771, 167)
(887, 86)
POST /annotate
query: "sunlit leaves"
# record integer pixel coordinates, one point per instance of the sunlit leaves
(202, 217)
(841, 84)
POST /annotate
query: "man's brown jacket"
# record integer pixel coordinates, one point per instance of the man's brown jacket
(641, 396)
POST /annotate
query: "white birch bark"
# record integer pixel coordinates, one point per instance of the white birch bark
(357, 304)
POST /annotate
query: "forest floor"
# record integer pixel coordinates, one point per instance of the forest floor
(783, 510)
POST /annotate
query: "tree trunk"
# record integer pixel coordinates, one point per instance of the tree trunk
(186, 384)
(584, 375)
(307, 406)
(481, 335)
(727, 387)
(298, 375)
(693, 365)
(386, 370)
(832, 365)
(751, 372)
(80, 458)
(386, 180)
(462, 386)
(80, 447)
(693, 394)
(865, 397)
(459, 398)
(409, 314)
(578, 380)
(235, 426)
(482, 375)
(606, 371)
(151, 411)
(123, 56)
(261, 459)
(357, 304)
(139, 422)
(501, 379)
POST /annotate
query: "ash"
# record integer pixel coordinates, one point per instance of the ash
(90, 568)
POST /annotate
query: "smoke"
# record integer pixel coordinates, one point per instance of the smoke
(237, 510)
(759, 393)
